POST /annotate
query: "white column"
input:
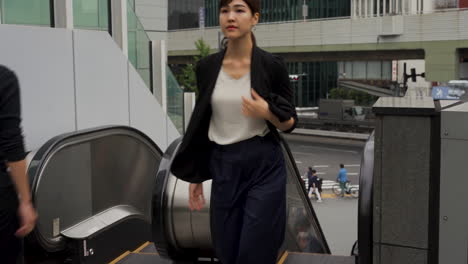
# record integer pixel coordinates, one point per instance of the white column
(366, 11)
(397, 7)
(353, 8)
(384, 12)
(63, 13)
(372, 8)
(189, 104)
(119, 27)
(390, 8)
(159, 72)
(378, 8)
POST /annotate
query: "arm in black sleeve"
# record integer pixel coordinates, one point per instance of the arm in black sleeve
(11, 138)
(281, 99)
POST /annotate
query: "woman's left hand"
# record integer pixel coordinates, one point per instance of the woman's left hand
(256, 107)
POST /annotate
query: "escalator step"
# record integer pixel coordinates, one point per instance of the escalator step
(135, 258)
(307, 258)
(148, 248)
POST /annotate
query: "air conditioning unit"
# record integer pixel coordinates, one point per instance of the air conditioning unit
(391, 25)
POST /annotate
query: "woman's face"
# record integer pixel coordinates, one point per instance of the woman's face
(236, 19)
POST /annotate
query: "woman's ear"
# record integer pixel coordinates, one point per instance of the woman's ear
(255, 18)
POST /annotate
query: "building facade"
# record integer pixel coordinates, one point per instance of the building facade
(317, 78)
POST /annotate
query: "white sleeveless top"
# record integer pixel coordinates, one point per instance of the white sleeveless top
(228, 125)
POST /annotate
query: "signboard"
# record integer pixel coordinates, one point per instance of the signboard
(447, 93)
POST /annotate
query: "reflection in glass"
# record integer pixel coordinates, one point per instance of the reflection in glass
(91, 14)
(138, 46)
(175, 101)
(26, 12)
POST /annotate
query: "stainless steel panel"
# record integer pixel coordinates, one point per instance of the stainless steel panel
(402, 255)
(64, 191)
(453, 221)
(120, 167)
(86, 173)
(455, 122)
(100, 221)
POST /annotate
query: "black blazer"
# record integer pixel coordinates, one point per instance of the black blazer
(269, 78)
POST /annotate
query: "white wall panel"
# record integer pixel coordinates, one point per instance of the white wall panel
(101, 80)
(146, 114)
(43, 60)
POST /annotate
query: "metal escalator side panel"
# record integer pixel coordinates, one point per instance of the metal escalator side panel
(365, 203)
(78, 175)
(178, 233)
(302, 222)
(164, 185)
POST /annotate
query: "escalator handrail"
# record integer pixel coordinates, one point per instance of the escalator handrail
(40, 157)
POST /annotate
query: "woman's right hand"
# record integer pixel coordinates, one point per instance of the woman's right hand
(196, 198)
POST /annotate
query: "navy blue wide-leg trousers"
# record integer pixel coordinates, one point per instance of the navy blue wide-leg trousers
(248, 201)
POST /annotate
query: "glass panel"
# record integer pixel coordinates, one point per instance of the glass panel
(26, 12)
(303, 233)
(175, 101)
(386, 70)
(138, 45)
(374, 70)
(359, 70)
(91, 14)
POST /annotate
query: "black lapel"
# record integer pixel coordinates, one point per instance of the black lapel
(214, 71)
(256, 70)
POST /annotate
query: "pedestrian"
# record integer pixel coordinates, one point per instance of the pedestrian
(244, 98)
(17, 214)
(315, 185)
(342, 179)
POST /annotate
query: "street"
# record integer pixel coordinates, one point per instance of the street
(337, 216)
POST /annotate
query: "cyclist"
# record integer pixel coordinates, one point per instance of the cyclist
(342, 179)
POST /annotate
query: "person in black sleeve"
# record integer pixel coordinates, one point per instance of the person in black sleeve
(17, 214)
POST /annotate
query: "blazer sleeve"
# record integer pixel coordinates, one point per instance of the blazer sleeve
(281, 98)
(11, 137)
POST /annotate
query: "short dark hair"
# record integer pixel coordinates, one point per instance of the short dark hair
(254, 5)
(314, 171)
(341, 166)
(310, 168)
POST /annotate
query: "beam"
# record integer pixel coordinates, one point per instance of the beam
(331, 56)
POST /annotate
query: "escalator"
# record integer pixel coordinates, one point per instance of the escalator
(182, 235)
(92, 190)
(102, 194)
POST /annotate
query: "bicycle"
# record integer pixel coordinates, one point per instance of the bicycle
(353, 190)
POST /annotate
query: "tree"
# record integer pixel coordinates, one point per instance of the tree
(187, 78)
(360, 98)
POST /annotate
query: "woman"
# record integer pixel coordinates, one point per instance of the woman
(17, 215)
(232, 138)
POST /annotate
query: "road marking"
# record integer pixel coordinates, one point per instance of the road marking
(332, 149)
(353, 173)
(321, 166)
(352, 165)
(321, 173)
(298, 162)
